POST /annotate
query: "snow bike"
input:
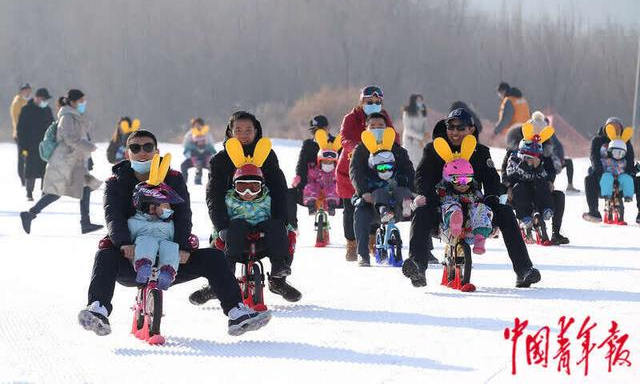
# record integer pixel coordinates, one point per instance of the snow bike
(456, 271)
(614, 206)
(538, 229)
(147, 312)
(321, 222)
(200, 162)
(388, 245)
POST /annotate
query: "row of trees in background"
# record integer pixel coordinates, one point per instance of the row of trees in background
(166, 61)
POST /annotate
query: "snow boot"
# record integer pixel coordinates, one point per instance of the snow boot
(95, 318)
(202, 295)
(412, 269)
(478, 245)
(88, 227)
(311, 205)
(279, 286)
(243, 319)
(572, 189)
(528, 277)
(27, 217)
(166, 276)
(593, 217)
(558, 239)
(331, 207)
(455, 223)
(351, 254)
(364, 261)
(143, 270)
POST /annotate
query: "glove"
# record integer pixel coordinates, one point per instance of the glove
(419, 201)
(223, 235)
(24, 153)
(296, 181)
(368, 197)
(503, 198)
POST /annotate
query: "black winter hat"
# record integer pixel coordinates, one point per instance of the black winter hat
(319, 121)
(42, 92)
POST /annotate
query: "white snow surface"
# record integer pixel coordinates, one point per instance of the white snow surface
(353, 325)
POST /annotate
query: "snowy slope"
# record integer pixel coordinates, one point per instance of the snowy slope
(352, 325)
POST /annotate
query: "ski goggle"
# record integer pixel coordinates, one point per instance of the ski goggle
(461, 179)
(329, 155)
(371, 91)
(618, 153)
(384, 167)
(248, 187)
(147, 147)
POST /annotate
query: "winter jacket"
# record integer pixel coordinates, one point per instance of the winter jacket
(116, 149)
(190, 148)
(352, 126)
(308, 155)
(600, 142)
(365, 179)
(254, 212)
(67, 172)
(118, 205)
(143, 224)
(429, 171)
(413, 134)
(221, 180)
(15, 109)
(552, 155)
(32, 124)
(518, 170)
(513, 110)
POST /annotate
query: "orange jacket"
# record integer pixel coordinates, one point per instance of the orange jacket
(520, 111)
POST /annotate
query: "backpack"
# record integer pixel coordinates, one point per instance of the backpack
(48, 143)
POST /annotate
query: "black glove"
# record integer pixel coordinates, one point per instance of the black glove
(491, 201)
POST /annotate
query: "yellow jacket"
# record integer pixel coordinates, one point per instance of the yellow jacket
(16, 107)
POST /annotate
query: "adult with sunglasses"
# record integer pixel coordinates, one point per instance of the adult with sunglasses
(353, 124)
(454, 128)
(67, 172)
(113, 262)
(247, 129)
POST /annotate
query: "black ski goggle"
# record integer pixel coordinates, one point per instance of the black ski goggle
(147, 147)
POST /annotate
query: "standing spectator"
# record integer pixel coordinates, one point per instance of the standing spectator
(19, 101)
(34, 120)
(514, 109)
(67, 173)
(415, 133)
(118, 143)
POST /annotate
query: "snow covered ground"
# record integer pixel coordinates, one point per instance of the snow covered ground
(352, 325)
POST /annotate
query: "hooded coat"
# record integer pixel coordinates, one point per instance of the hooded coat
(32, 124)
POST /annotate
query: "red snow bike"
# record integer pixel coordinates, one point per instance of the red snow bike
(614, 206)
(251, 280)
(456, 271)
(321, 222)
(147, 312)
(537, 233)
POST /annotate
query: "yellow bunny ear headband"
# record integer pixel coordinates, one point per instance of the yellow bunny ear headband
(159, 169)
(322, 138)
(196, 132)
(529, 132)
(237, 156)
(610, 129)
(466, 149)
(369, 140)
(126, 128)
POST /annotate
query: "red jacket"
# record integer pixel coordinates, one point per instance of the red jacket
(352, 126)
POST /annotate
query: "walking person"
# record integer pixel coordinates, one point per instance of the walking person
(19, 101)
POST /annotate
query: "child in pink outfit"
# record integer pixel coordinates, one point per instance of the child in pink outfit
(321, 182)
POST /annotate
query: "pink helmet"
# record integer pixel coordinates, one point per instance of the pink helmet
(458, 171)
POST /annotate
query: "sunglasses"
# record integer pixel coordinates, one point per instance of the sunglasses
(248, 187)
(384, 167)
(373, 102)
(457, 127)
(147, 147)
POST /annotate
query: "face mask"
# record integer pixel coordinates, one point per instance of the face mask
(166, 213)
(82, 107)
(385, 175)
(419, 105)
(43, 104)
(378, 133)
(141, 167)
(372, 108)
(327, 167)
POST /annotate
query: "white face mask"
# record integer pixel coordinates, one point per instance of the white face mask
(378, 133)
(327, 167)
(385, 175)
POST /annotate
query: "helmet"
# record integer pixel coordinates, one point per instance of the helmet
(617, 149)
(145, 194)
(532, 148)
(383, 162)
(248, 171)
(248, 180)
(318, 121)
(458, 171)
(327, 155)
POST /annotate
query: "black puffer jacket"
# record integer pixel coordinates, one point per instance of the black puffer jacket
(597, 142)
(221, 180)
(32, 125)
(118, 205)
(429, 171)
(364, 178)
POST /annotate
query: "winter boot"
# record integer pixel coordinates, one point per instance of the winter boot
(558, 239)
(279, 286)
(572, 189)
(386, 214)
(455, 223)
(593, 217)
(27, 217)
(547, 214)
(311, 205)
(166, 276)
(528, 277)
(95, 318)
(416, 272)
(364, 261)
(88, 227)
(331, 207)
(243, 319)
(351, 254)
(372, 243)
(202, 295)
(143, 270)
(198, 178)
(478, 244)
